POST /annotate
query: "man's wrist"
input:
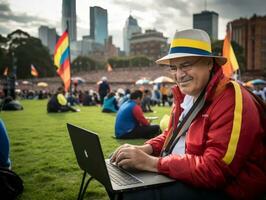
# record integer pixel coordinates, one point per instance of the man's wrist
(154, 163)
(147, 148)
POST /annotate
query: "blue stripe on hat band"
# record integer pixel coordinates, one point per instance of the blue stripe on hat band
(189, 50)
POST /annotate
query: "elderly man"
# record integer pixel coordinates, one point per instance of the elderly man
(214, 145)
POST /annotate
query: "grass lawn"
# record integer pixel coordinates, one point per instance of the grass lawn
(42, 154)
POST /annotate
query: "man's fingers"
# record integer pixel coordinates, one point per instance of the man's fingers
(122, 156)
(125, 164)
(113, 156)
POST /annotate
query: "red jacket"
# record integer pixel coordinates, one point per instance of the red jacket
(225, 144)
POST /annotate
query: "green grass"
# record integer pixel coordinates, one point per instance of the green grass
(42, 154)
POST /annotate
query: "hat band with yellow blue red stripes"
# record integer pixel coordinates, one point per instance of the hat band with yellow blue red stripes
(189, 51)
(190, 46)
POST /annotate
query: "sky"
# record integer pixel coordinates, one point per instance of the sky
(165, 16)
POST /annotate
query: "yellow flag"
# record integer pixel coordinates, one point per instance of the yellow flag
(109, 67)
(34, 72)
(231, 65)
(5, 71)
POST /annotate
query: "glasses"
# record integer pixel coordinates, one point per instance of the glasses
(184, 67)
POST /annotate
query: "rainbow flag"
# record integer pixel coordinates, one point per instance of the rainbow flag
(34, 72)
(231, 65)
(61, 59)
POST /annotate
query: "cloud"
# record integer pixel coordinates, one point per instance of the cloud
(4, 7)
(164, 16)
(4, 30)
(132, 5)
(180, 7)
(13, 21)
(228, 9)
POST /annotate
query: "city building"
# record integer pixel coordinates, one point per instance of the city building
(207, 21)
(250, 34)
(87, 47)
(48, 37)
(151, 44)
(98, 24)
(69, 16)
(130, 27)
(110, 49)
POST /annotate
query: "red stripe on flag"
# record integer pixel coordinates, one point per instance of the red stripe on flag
(64, 73)
(61, 39)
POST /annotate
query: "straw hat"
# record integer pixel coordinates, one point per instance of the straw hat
(191, 42)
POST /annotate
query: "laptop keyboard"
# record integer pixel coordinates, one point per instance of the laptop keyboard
(120, 177)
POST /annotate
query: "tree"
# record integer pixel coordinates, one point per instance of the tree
(140, 61)
(83, 63)
(24, 50)
(3, 54)
(136, 61)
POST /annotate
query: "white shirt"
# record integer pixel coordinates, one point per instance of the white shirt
(187, 103)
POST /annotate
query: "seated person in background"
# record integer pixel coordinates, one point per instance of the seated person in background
(4, 147)
(9, 104)
(146, 101)
(87, 99)
(58, 103)
(110, 103)
(124, 98)
(73, 99)
(130, 121)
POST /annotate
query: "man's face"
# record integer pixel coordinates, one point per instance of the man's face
(191, 74)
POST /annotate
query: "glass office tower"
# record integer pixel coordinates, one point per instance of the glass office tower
(69, 15)
(98, 24)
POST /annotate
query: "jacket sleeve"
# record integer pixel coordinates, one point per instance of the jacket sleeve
(138, 114)
(232, 120)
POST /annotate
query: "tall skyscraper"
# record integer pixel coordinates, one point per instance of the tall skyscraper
(48, 37)
(69, 15)
(98, 24)
(207, 21)
(130, 27)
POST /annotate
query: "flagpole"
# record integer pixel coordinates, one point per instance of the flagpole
(31, 78)
(69, 57)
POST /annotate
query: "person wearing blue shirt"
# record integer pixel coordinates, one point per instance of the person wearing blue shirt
(110, 103)
(130, 121)
(4, 147)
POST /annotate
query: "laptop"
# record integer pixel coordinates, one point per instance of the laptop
(87, 147)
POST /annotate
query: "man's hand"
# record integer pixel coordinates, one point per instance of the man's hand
(135, 157)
